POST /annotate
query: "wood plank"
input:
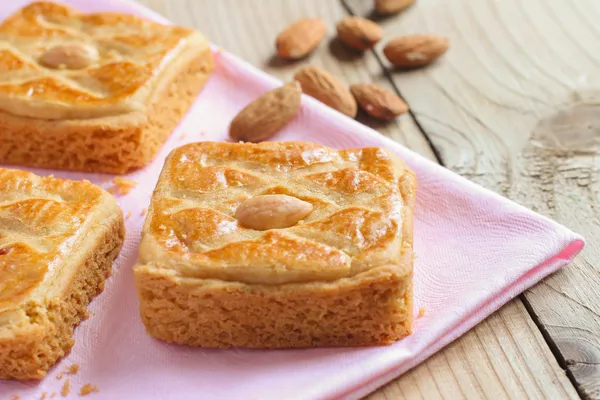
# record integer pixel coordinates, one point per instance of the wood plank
(505, 355)
(513, 106)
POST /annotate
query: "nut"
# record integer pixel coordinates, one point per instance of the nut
(266, 115)
(300, 38)
(272, 211)
(359, 33)
(69, 56)
(387, 7)
(378, 102)
(320, 84)
(415, 51)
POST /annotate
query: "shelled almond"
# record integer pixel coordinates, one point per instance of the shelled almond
(416, 50)
(300, 38)
(272, 211)
(387, 7)
(378, 102)
(359, 33)
(266, 115)
(323, 86)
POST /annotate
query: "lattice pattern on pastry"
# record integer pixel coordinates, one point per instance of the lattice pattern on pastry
(131, 51)
(356, 195)
(39, 219)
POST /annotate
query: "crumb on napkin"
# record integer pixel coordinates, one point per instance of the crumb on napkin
(421, 312)
(122, 186)
(43, 396)
(87, 389)
(73, 369)
(66, 389)
(144, 211)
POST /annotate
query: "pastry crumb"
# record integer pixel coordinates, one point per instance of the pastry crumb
(15, 397)
(144, 211)
(53, 395)
(87, 389)
(43, 396)
(73, 369)
(59, 376)
(86, 315)
(122, 186)
(128, 215)
(421, 312)
(66, 389)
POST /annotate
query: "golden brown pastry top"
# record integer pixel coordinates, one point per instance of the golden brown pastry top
(362, 212)
(42, 222)
(127, 59)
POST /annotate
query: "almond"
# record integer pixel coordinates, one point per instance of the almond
(359, 33)
(266, 115)
(387, 7)
(320, 84)
(300, 38)
(415, 51)
(272, 211)
(69, 56)
(378, 102)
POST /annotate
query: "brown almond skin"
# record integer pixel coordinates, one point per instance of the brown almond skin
(272, 211)
(359, 33)
(265, 116)
(320, 84)
(300, 38)
(388, 7)
(378, 102)
(416, 50)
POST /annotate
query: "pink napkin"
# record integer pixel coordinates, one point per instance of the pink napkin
(475, 252)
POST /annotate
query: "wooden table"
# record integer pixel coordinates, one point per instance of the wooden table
(512, 65)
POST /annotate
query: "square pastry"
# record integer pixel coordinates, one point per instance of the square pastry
(93, 92)
(278, 245)
(58, 240)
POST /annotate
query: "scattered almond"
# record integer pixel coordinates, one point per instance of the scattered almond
(415, 51)
(266, 115)
(378, 102)
(388, 7)
(300, 38)
(69, 56)
(272, 211)
(320, 84)
(359, 33)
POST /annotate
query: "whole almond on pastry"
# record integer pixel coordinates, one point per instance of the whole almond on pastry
(387, 7)
(378, 102)
(69, 56)
(272, 211)
(359, 33)
(320, 84)
(300, 38)
(416, 50)
(265, 116)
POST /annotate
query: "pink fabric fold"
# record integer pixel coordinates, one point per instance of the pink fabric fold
(475, 251)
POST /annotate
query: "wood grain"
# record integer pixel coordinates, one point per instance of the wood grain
(513, 106)
(503, 357)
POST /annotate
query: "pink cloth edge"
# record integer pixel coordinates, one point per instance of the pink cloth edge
(486, 308)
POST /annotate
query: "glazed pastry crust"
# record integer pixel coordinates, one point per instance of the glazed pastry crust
(109, 117)
(58, 240)
(343, 276)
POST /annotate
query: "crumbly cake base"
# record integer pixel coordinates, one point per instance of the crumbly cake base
(371, 308)
(114, 145)
(48, 336)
